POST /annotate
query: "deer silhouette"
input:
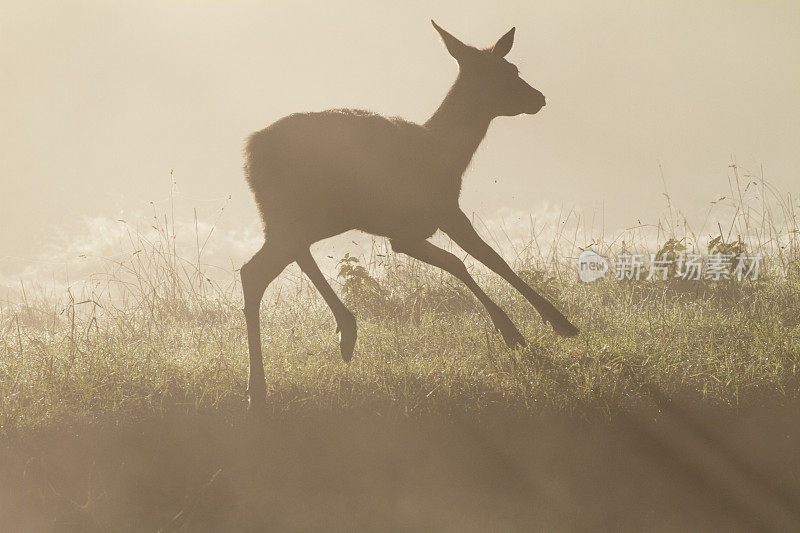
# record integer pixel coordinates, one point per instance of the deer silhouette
(316, 175)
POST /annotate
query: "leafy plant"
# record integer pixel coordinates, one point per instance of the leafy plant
(669, 256)
(717, 245)
(357, 283)
(671, 250)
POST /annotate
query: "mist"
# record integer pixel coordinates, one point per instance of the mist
(109, 107)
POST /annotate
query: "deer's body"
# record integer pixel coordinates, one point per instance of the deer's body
(328, 172)
(315, 175)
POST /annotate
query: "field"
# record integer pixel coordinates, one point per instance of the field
(123, 408)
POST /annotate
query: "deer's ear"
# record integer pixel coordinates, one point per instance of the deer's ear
(455, 47)
(503, 46)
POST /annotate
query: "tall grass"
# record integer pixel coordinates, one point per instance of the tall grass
(158, 331)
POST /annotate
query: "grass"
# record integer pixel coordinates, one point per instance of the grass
(427, 349)
(153, 333)
(150, 361)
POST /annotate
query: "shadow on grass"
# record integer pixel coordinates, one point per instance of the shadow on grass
(671, 468)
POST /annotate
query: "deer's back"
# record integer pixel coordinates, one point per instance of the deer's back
(346, 169)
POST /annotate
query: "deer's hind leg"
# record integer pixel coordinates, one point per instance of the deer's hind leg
(256, 275)
(345, 321)
(428, 253)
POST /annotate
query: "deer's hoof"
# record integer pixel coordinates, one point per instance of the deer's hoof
(511, 335)
(347, 340)
(256, 398)
(514, 339)
(564, 327)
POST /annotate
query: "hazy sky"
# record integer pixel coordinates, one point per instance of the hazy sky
(100, 100)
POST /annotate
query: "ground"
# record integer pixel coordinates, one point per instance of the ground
(676, 408)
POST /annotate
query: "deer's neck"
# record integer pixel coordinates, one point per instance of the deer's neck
(459, 125)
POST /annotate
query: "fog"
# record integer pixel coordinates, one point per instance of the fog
(104, 105)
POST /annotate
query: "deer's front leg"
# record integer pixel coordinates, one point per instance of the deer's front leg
(460, 229)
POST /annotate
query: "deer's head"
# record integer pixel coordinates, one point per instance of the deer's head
(494, 83)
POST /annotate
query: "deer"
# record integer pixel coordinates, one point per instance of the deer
(318, 174)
